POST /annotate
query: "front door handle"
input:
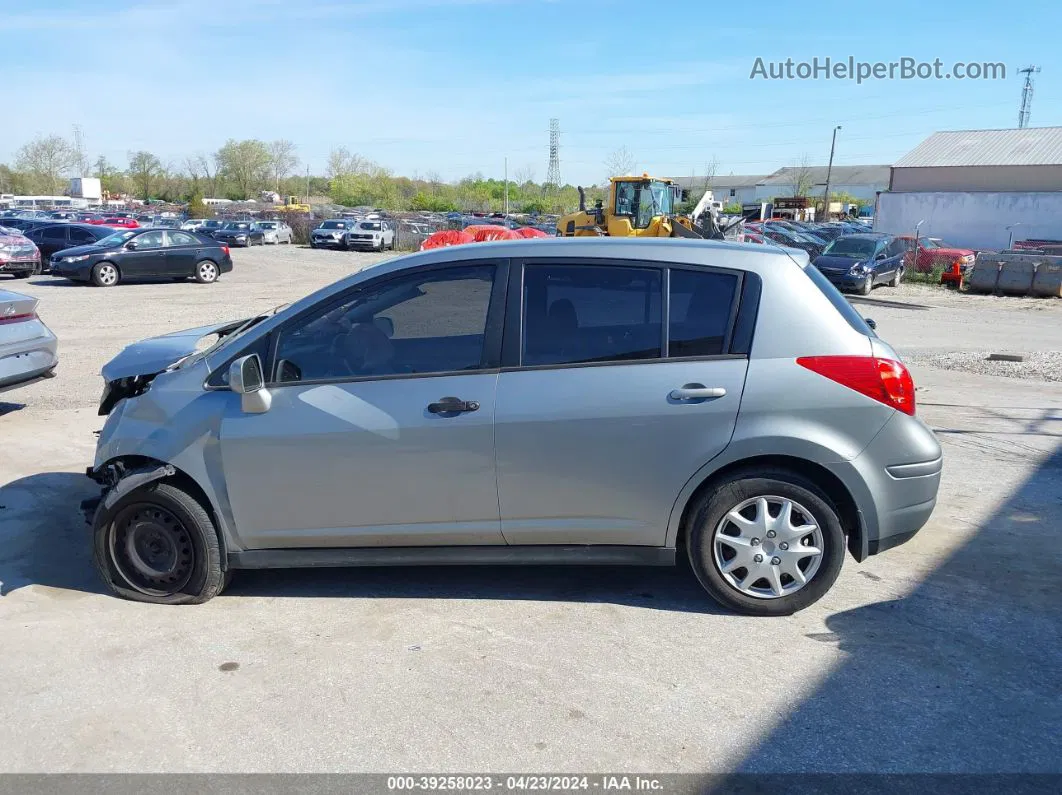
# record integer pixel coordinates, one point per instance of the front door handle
(696, 392)
(453, 405)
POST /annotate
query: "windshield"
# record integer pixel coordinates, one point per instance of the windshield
(370, 225)
(268, 225)
(860, 247)
(643, 201)
(237, 225)
(334, 225)
(116, 239)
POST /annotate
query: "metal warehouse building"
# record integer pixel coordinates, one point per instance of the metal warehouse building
(978, 188)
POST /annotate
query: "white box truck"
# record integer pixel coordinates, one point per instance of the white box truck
(86, 188)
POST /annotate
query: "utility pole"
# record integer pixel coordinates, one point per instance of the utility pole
(829, 171)
(1026, 96)
(307, 183)
(506, 189)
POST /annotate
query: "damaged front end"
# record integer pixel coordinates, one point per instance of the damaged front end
(130, 373)
(118, 478)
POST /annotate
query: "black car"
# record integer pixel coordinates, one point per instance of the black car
(858, 262)
(783, 237)
(129, 254)
(51, 238)
(24, 224)
(240, 233)
(210, 226)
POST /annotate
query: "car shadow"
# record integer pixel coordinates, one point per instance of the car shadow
(671, 588)
(10, 408)
(44, 541)
(43, 536)
(964, 675)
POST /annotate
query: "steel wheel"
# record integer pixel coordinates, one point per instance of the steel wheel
(152, 550)
(206, 272)
(768, 547)
(106, 274)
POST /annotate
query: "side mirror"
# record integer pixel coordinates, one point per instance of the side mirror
(881, 256)
(385, 324)
(870, 322)
(131, 245)
(246, 380)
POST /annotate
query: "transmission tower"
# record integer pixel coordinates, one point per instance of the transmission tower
(1026, 95)
(79, 152)
(553, 177)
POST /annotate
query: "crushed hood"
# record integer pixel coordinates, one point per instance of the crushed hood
(155, 354)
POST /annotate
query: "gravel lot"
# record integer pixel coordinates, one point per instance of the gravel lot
(943, 654)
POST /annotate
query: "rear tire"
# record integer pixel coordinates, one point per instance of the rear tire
(896, 278)
(106, 274)
(21, 274)
(207, 271)
(157, 544)
(710, 526)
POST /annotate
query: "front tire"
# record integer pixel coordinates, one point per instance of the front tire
(867, 285)
(106, 274)
(157, 544)
(896, 278)
(206, 271)
(765, 543)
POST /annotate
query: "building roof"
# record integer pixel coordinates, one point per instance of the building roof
(720, 181)
(839, 175)
(1033, 146)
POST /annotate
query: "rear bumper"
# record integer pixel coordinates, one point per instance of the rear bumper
(23, 363)
(894, 482)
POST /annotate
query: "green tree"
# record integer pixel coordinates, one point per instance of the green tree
(245, 164)
(196, 208)
(146, 172)
(45, 161)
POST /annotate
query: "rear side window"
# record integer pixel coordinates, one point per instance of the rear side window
(701, 304)
(848, 312)
(81, 236)
(54, 233)
(578, 314)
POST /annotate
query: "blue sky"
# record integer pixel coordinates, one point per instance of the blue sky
(456, 86)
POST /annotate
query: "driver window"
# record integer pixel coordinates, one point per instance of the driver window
(150, 240)
(430, 322)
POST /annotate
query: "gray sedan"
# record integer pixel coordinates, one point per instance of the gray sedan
(586, 401)
(275, 232)
(28, 349)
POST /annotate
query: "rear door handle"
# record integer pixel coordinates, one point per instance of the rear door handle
(697, 392)
(453, 405)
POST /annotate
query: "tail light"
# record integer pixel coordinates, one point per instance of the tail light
(18, 318)
(884, 380)
(225, 249)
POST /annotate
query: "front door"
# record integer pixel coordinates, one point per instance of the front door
(600, 426)
(381, 428)
(148, 258)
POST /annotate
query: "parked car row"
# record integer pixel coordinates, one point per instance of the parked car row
(367, 234)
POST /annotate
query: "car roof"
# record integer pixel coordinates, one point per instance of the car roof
(864, 236)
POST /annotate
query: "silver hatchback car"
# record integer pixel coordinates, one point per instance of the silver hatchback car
(580, 401)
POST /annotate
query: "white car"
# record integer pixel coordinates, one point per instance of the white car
(193, 224)
(276, 232)
(372, 235)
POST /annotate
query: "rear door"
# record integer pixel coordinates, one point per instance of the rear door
(182, 252)
(51, 239)
(618, 387)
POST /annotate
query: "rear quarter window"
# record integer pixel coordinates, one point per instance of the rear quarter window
(840, 303)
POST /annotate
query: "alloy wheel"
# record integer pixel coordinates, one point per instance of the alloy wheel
(768, 547)
(208, 271)
(108, 274)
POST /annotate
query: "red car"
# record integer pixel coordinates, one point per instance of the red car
(120, 223)
(933, 254)
(19, 256)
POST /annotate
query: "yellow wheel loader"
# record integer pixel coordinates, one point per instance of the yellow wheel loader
(638, 207)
